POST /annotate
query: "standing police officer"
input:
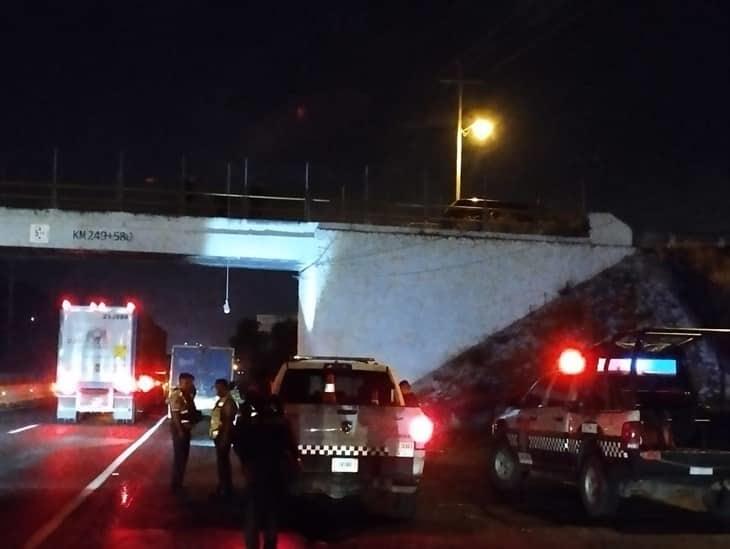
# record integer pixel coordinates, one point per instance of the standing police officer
(269, 453)
(221, 431)
(183, 415)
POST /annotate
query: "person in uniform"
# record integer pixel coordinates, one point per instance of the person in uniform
(409, 397)
(221, 431)
(183, 415)
(270, 455)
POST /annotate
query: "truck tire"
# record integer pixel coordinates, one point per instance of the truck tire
(598, 491)
(505, 473)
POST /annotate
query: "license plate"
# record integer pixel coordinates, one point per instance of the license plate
(700, 471)
(406, 448)
(344, 465)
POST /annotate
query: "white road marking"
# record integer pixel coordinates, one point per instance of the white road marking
(47, 529)
(205, 443)
(21, 429)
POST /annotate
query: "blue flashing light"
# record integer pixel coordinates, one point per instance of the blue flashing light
(644, 366)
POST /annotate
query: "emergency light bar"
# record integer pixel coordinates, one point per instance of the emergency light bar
(644, 366)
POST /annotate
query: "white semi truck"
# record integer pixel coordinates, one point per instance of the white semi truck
(106, 361)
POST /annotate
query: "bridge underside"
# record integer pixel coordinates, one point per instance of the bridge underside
(251, 244)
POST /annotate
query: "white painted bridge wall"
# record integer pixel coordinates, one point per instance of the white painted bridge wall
(413, 300)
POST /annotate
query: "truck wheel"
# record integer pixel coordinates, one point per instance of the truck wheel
(598, 491)
(505, 474)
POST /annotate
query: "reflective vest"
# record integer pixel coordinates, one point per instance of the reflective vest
(215, 416)
(179, 403)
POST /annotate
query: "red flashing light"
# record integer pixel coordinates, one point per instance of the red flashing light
(131, 307)
(145, 383)
(421, 429)
(571, 362)
(66, 305)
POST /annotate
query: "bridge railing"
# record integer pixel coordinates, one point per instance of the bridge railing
(199, 203)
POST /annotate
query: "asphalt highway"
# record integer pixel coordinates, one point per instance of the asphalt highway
(100, 485)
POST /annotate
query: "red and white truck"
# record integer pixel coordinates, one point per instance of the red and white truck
(110, 360)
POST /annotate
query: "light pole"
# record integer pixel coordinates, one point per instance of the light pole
(481, 129)
(459, 137)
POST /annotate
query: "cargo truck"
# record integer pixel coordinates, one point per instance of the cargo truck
(110, 360)
(205, 363)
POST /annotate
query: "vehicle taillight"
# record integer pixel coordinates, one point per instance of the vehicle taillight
(145, 383)
(65, 385)
(124, 383)
(421, 429)
(631, 435)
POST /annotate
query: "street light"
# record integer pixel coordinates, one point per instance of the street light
(481, 130)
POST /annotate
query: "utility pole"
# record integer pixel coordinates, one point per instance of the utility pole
(460, 83)
(182, 197)
(245, 175)
(54, 180)
(120, 171)
(459, 132)
(307, 197)
(54, 169)
(228, 187)
(120, 179)
(366, 192)
(246, 199)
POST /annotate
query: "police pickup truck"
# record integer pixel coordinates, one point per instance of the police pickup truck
(620, 420)
(355, 435)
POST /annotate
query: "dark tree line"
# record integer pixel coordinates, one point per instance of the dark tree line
(261, 353)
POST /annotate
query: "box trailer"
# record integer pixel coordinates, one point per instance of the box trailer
(205, 363)
(105, 365)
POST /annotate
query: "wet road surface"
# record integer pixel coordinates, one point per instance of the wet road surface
(47, 469)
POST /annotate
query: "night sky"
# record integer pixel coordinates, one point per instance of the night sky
(625, 99)
(628, 98)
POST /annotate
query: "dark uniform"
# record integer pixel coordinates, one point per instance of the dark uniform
(221, 431)
(267, 447)
(183, 415)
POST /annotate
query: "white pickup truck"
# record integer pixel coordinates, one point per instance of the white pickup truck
(355, 435)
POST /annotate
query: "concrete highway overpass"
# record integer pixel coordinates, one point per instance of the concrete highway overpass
(406, 295)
